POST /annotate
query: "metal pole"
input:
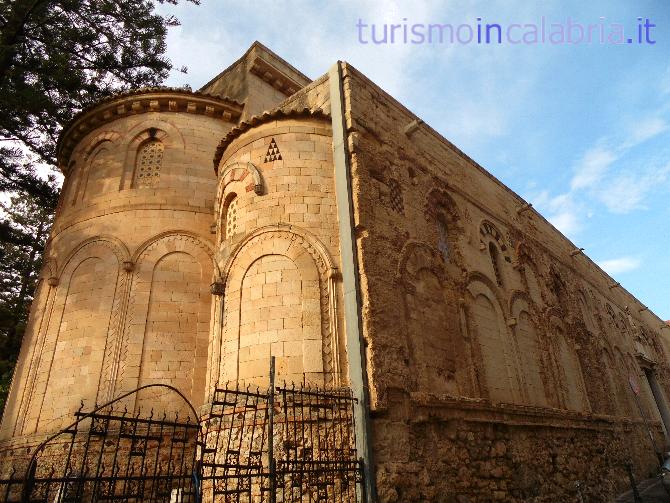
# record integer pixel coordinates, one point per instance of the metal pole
(271, 418)
(636, 495)
(353, 322)
(578, 486)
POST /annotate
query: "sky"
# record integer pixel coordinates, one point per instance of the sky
(579, 130)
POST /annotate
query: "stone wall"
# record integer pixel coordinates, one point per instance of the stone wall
(278, 253)
(474, 305)
(124, 298)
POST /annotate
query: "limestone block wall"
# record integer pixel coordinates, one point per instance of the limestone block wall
(278, 255)
(477, 312)
(124, 299)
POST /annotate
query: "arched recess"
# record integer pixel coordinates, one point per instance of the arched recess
(24, 372)
(151, 129)
(529, 350)
(237, 172)
(486, 320)
(612, 400)
(168, 318)
(441, 211)
(493, 243)
(285, 276)
(435, 343)
(529, 272)
(94, 171)
(69, 363)
(587, 315)
(568, 368)
(645, 397)
(622, 375)
(238, 183)
(612, 325)
(79, 170)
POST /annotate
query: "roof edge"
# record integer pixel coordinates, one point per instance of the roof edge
(142, 100)
(257, 120)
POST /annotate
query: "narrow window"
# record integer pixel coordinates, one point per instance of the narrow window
(493, 252)
(230, 217)
(148, 165)
(397, 203)
(443, 236)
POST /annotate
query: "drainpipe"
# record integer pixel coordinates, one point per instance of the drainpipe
(350, 280)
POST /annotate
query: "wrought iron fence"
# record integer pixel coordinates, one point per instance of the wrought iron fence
(293, 444)
(289, 443)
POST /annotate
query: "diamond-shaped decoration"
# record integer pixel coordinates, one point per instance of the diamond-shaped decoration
(273, 153)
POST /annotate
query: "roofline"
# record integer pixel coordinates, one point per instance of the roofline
(255, 44)
(257, 120)
(479, 167)
(142, 100)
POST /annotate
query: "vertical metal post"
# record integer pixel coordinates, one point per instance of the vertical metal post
(578, 486)
(636, 494)
(271, 418)
(29, 482)
(350, 280)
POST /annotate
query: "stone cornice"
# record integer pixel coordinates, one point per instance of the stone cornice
(142, 101)
(281, 82)
(257, 120)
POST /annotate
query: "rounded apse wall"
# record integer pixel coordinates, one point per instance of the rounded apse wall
(278, 255)
(123, 299)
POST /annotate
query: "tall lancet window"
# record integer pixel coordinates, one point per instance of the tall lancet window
(495, 261)
(230, 217)
(148, 165)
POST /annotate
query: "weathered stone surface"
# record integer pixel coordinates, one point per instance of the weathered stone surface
(499, 358)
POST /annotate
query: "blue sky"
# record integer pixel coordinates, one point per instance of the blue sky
(581, 131)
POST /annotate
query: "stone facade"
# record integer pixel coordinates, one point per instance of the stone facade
(499, 358)
(499, 355)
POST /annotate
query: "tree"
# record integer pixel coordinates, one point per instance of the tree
(60, 56)
(24, 231)
(56, 58)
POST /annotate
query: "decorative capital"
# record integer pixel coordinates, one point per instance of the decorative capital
(218, 288)
(52, 281)
(128, 266)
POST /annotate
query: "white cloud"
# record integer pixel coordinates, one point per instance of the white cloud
(563, 211)
(645, 130)
(592, 167)
(620, 265)
(627, 191)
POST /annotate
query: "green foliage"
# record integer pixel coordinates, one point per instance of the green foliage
(23, 235)
(56, 58)
(59, 56)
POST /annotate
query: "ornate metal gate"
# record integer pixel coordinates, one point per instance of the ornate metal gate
(111, 455)
(283, 444)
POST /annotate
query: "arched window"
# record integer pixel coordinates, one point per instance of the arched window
(230, 217)
(148, 164)
(493, 252)
(441, 209)
(443, 235)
